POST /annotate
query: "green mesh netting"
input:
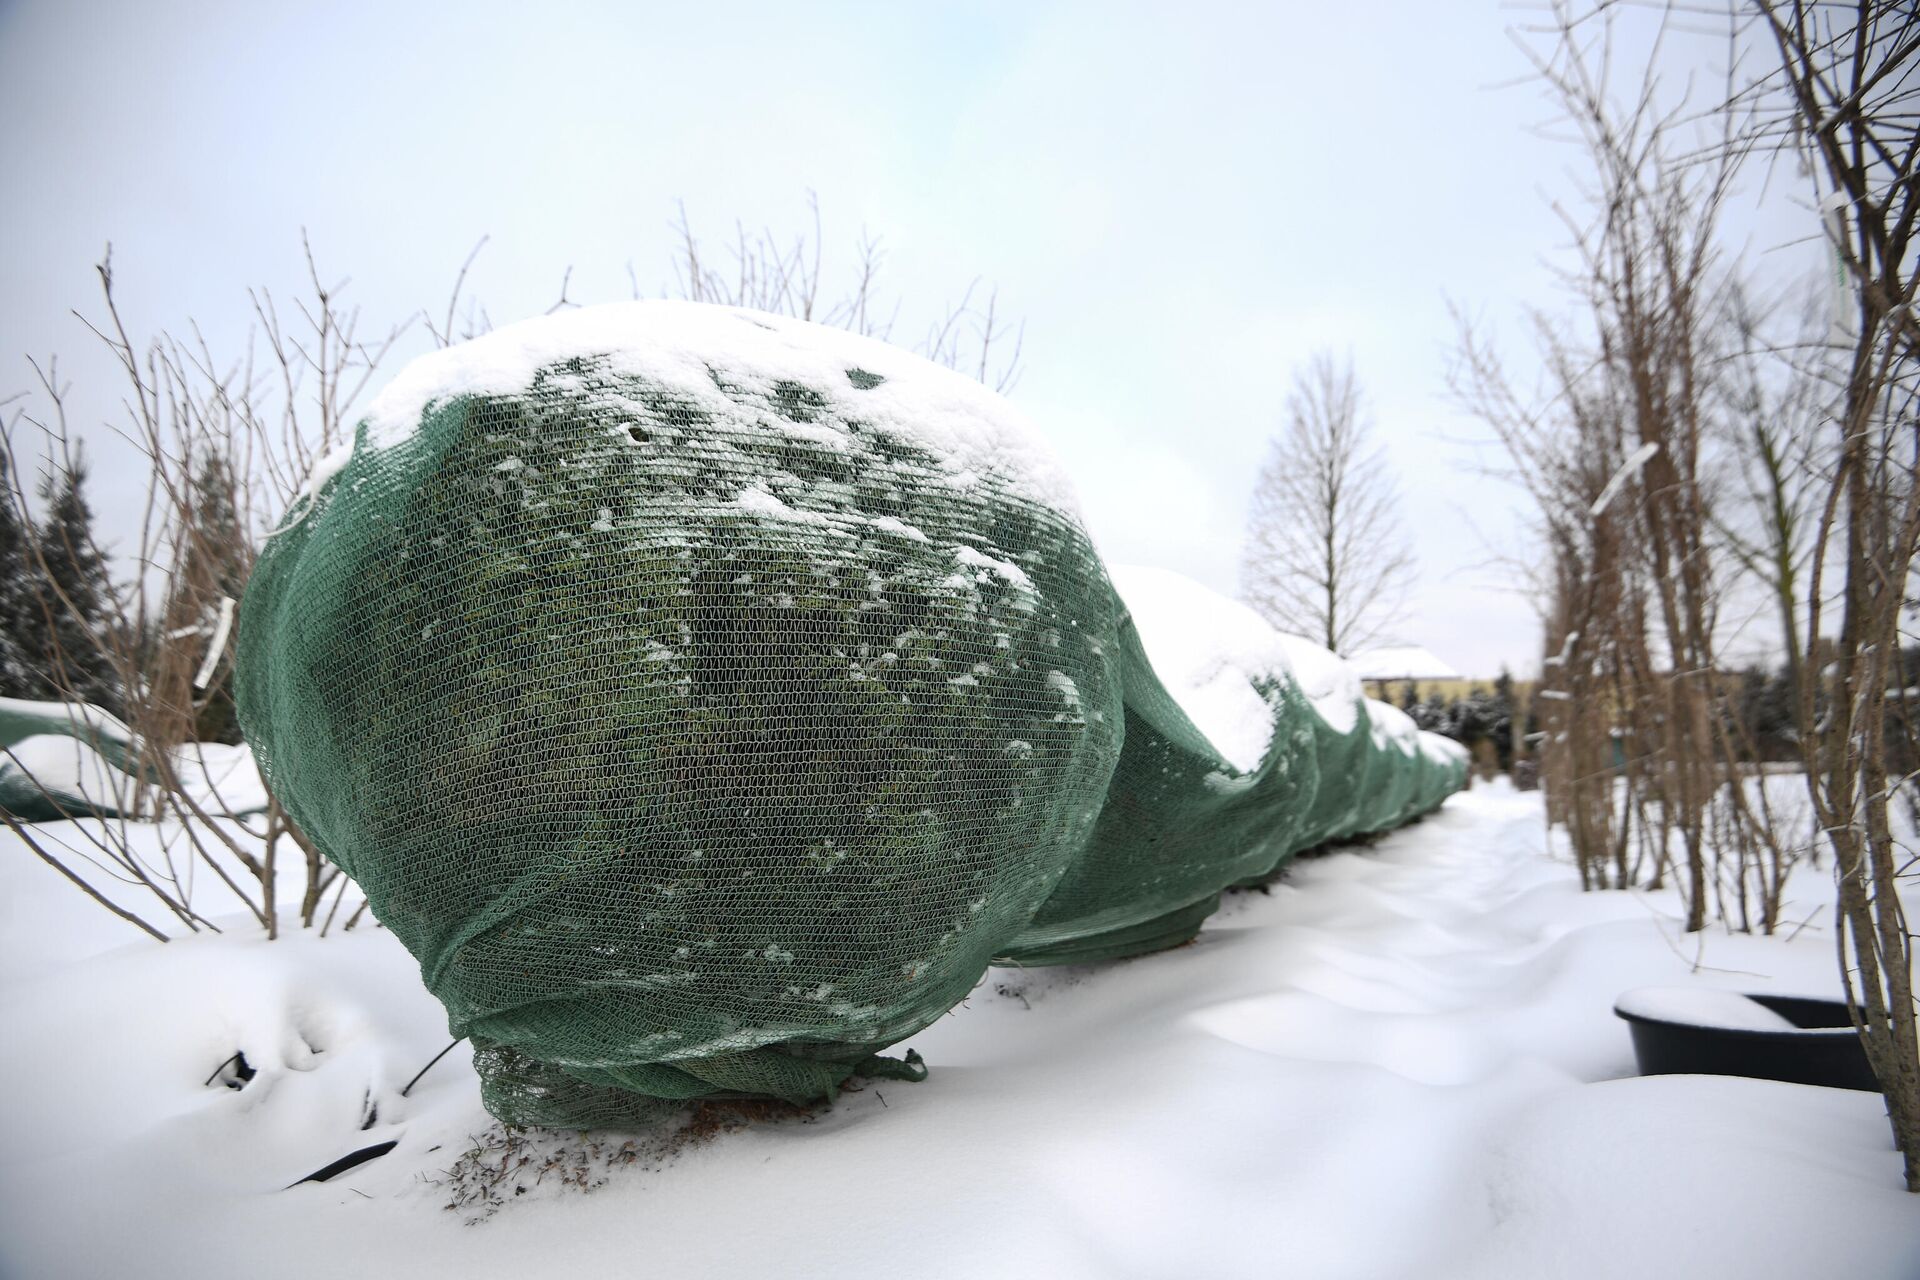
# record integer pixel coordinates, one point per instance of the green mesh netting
(1181, 822)
(706, 699)
(1179, 825)
(63, 760)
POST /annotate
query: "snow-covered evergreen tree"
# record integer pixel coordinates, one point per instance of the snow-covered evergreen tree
(1433, 714)
(20, 615)
(1483, 715)
(1501, 728)
(75, 606)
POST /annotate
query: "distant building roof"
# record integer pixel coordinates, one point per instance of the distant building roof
(1401, 662)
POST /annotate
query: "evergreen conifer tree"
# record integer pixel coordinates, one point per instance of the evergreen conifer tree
(22, 624)
(77, 607)
(1501, 730)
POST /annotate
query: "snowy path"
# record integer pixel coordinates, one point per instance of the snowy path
(1402, 1062)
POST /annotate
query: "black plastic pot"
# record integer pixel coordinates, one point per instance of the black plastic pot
(1827, 1053)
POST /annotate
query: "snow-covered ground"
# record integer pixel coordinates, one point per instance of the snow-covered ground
(1401, 1062)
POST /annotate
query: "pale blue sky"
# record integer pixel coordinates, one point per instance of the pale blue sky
(1182, 201)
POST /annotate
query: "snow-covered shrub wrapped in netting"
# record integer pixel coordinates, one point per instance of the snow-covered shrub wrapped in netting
(1216, 773)
(1244, 746)
(706, 698)
(1401, 777)
(1342, 740)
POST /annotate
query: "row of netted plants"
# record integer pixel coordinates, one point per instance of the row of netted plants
(1718, 455)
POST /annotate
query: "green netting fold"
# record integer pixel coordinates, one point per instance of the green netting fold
(1243, 747)
(64, 760)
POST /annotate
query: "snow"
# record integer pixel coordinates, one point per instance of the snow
(216, 646)
(1062, 683)
(1566, 648)
(1624, 476)
(899, 528)
(684, 346)
(1693, 1006)
(1209, 652)
(1401, 662)
(1392, 725)
(1443, 749)
(325, 467)
(69, 769)
(220, 778)
(1213, 655)
(760, 502)
(974, 558)
(1402, 1062)
(1330, 683)
(75, 714)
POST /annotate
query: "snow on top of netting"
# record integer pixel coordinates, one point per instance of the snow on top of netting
(1391, 724)
(1442, 748)
(68, 766)
(683, 346)
(69, 714)
(1208, 651)
(1329, 681)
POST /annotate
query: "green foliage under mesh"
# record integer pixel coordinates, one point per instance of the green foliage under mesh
(708, 737)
